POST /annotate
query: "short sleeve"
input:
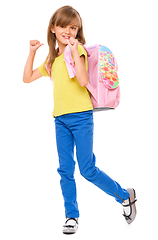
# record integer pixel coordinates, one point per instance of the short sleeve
(82, 51)
(43, 70)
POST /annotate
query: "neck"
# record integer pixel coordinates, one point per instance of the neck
(61, 49)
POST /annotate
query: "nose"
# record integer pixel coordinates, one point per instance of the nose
(67, 30)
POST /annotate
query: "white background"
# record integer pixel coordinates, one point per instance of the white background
(125, 140)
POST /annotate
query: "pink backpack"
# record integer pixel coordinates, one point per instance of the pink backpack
(103, 79)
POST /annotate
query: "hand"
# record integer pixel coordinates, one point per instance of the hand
(73, 44)
(34, 45)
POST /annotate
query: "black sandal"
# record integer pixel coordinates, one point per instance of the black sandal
(132, 199)
(70, 228)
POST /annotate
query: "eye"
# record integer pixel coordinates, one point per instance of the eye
(74, 28)
(62, 26)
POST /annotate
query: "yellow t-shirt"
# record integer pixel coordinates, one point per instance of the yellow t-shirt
(69, 96)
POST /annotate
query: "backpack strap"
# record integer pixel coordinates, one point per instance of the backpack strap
(93, 91)
(48, 68)
(69, 62)
(72, 71)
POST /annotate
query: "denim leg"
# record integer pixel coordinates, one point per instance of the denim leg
(65, 148)
(83, 135)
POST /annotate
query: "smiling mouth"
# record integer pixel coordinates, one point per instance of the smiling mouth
(66, 37)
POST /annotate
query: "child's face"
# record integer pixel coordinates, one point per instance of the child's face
(64, 32)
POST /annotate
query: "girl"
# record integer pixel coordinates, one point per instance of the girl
(73, 113)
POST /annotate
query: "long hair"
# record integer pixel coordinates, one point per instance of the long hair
(62, 17)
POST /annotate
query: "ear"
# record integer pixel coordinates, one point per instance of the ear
(52, 29)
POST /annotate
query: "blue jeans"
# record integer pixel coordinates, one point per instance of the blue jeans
(77, 129)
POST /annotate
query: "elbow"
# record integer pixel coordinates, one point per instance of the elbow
(84, 84)
(84, 81)
(25, 80)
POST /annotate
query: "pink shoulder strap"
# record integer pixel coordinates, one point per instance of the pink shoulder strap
(69, 62)
(72, 71)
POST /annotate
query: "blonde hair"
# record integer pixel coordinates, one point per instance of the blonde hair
(62, 17)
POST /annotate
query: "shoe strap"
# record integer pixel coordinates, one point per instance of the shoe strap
(69, 226)
(131, 203)
(71, 219)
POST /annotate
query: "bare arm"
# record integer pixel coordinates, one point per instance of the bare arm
(81, 72)
(30, 75)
